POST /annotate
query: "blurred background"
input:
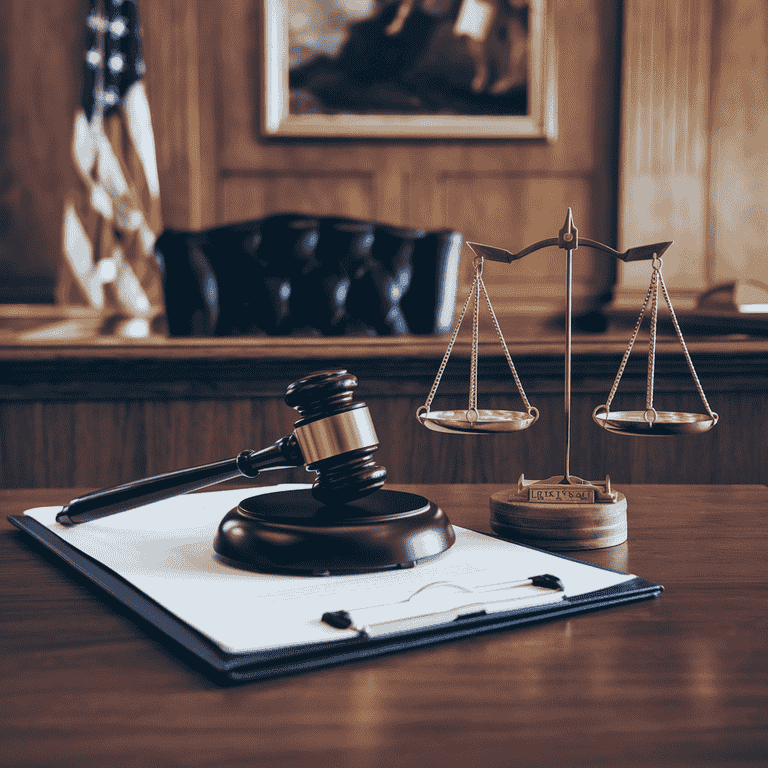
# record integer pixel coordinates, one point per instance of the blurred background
(661, 117)
(661, 133)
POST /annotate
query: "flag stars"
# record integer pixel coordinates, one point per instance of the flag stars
(98, 23)
(118, 27)
(112, 54)
(93, 57)
(116, 62)
(109, 98)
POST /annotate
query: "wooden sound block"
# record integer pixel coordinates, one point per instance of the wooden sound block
(559, 526)
(292, 532)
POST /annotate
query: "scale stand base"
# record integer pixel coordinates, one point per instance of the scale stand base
(561, 517)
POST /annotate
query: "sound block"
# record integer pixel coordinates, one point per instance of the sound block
(559, 526)
(292, 532)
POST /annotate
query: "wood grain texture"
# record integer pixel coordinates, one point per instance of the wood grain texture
(664, 167)
(513, 211)
(677, 681)
(41, 55)
(559, 527)
(175, 64)
(117, 414)
(738, 146)
(247, 196)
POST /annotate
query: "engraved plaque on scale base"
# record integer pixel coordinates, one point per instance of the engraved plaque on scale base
(561, 516)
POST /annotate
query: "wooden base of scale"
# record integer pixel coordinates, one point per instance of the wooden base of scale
(561, 517)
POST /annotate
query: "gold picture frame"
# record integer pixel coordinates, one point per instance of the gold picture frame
(484, 73)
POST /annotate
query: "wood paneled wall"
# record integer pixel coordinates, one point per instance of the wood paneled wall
(41, 52)
(692, 140)
(738, 194)
(509, 193)
(665, 157)
(203, 75)
(695, 142)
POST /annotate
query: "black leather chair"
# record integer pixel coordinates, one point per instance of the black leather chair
(294, 275)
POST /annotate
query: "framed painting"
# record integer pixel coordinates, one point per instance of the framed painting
(408, 69)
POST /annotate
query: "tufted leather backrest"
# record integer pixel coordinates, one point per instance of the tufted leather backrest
(291, 274)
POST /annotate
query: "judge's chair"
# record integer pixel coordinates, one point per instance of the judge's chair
(296, 275)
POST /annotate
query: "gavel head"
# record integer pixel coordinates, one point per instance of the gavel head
(336, 437)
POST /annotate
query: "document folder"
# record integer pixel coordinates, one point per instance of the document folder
(157, 564)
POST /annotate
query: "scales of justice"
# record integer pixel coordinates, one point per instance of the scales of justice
(565, 512)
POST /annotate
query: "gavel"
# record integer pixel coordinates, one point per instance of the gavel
(335, 437)
(339, 527)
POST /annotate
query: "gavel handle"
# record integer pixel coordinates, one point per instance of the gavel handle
(284, 453)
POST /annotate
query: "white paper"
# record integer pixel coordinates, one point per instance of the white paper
(165, 550)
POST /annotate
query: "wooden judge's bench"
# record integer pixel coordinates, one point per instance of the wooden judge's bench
(103, 410)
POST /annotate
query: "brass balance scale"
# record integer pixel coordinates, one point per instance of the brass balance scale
(565, 512)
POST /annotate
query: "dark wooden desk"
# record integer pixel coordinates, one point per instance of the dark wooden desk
(681, 680)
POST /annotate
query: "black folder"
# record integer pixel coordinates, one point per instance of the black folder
(226, 667)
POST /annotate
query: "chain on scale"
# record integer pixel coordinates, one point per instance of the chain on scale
(652, 296)
(478, 286)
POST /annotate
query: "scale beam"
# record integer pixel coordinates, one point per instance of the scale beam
(641, 253)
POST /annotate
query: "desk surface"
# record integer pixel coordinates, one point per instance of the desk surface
(681, 680)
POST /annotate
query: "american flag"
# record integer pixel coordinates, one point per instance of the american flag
(112, 216)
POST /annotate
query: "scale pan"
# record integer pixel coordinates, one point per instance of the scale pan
(487, 421)
(666, 423)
